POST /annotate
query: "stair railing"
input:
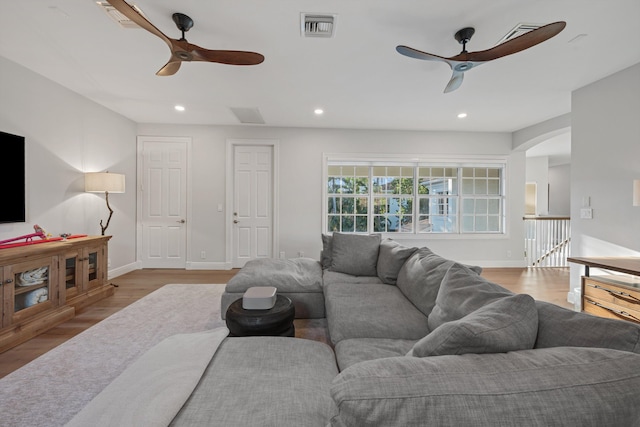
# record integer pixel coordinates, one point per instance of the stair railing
(547, 240)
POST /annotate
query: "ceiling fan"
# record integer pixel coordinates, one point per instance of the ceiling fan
(181, 49)
(464, 61)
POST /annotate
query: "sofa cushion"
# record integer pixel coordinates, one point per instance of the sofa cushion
(371, 311)
(327, 251)
(507, 324)
(329, 276)
(355, 254)
(287, 275)
(565, 386)
(391, 258)
(264, 381)
(420, 278)
(356, 350)
(462, 292)
(559, 326)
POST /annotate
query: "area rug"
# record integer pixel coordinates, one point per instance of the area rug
(50, 390)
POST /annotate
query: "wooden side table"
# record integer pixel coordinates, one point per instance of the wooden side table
(611, 296)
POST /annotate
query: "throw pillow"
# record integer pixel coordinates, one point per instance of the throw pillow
(327, 251)
(462, 291)
(507, 324)
(355, 254)
(391, 258)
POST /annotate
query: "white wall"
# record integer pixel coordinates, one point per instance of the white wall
(538, 173)
(560, 190)
(605, 160)
(66, 135)
(300, 203)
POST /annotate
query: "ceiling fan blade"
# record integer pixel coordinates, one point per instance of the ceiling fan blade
(455, 82)
(231, 57)
(130, 12)
(515, 45)
(418, 54)
(170, 68)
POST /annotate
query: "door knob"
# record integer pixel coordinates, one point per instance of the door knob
(235, 221)
(182, 221)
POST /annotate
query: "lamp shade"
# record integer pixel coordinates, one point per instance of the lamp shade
(99, 182)
(636, 192)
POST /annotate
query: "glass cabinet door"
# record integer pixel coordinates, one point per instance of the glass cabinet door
(4, 287)
(94, 257)
(72, 274)
(32, 286)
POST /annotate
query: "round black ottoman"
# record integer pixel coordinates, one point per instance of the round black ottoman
(276, 321)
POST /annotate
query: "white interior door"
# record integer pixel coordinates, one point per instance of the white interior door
(163, 195)
(252, 228)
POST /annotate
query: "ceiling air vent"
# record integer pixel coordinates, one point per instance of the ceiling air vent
(248, 115)
(118, 17)
(313, 25)
(518, 30)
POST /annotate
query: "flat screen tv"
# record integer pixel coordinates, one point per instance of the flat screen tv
(12, 153)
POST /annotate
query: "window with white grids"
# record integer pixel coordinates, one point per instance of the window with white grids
(420, 198)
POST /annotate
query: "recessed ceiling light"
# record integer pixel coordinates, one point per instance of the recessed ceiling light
(179, 108)
(318, 111)
(462, 115)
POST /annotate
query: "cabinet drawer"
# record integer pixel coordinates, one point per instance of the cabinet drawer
(609, 310)
(612, 294)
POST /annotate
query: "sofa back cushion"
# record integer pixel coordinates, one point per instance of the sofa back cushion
(421, 275)
(462, 292)
(506, 324)
(559, 327)
(327, 251)
(355, 254)
(564, 386)
(391, 258)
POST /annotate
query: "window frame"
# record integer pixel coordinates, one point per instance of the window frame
(452, 161)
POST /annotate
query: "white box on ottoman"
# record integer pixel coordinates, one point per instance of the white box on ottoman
(259, 298)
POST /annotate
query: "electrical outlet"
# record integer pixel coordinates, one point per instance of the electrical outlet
(282, 255)
(586, 213)
(300, 254)
(203, 255)
(508, 254)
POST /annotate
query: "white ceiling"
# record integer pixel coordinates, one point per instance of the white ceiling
(356, 76)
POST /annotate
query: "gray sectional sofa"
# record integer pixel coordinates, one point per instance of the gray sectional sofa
(420, 340)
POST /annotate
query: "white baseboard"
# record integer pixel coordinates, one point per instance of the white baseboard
(574, 297)
(124, 269)
(208, 266)
(497, 263)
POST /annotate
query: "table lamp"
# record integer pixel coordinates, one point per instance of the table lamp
(99, 182)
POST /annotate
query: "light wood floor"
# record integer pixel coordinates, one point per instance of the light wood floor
(546, 284)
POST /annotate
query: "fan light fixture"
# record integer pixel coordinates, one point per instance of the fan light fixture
(104, 182)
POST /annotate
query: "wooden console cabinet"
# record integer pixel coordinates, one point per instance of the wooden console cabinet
(610, 295)
(42, 285)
